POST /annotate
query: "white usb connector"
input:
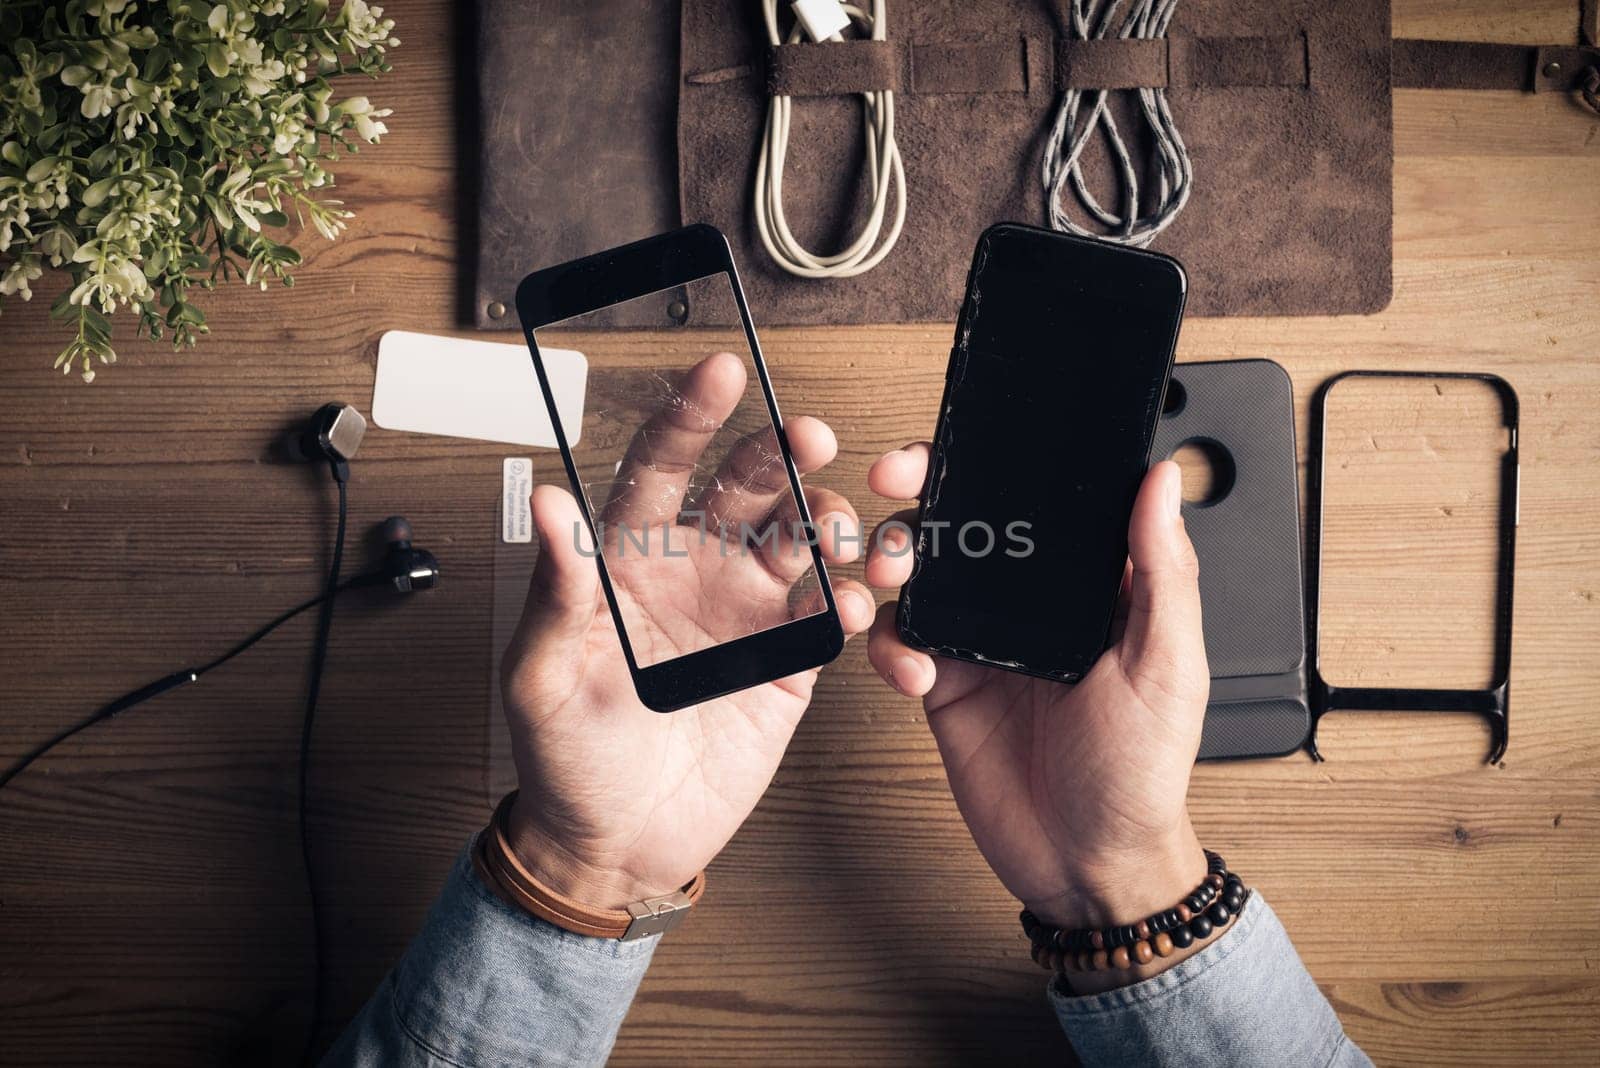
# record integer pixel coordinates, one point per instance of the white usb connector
(821, 19)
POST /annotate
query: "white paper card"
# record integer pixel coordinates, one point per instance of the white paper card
(485, 390)
(516, 513)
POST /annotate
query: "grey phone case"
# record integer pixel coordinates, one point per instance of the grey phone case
(1248, 540)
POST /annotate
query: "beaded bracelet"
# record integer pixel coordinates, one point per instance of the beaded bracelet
(1208, 909)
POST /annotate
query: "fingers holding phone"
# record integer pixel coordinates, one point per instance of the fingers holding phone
(1041, 668)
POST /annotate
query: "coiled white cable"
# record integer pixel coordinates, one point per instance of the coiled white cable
(883, 167)
(1069, 137)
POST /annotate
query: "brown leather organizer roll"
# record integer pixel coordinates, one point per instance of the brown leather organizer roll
(1284, 106)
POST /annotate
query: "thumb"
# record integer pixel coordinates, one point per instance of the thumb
(566, 582)
(1164, 645)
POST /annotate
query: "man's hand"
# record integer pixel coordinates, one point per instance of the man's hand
(619, 803)
(1074, 794)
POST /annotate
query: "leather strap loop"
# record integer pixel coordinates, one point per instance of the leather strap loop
(833, 68)
(1183, 62)
(1114, 63)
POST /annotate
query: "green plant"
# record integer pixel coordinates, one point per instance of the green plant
(149, 147)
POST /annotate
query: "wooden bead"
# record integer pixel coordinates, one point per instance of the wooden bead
(1142, 952)
(1214, 880)
(1184, 915)
(1182, 937)
(1101, 960)
(1097, 940)
(1142, 929)
(1163, 945)
(1086, 961)
(1120, 957)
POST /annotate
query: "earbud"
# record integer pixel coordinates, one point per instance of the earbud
(332, 435)
(404, 566)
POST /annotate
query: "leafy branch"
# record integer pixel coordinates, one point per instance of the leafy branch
(151, 150)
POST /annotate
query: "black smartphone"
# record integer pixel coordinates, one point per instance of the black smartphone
(683, 472)
(1056, 381)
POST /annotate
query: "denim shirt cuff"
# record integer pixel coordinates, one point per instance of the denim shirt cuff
(1245, 999)
(485, 983)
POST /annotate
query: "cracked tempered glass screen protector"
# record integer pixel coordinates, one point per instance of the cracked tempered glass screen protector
(703, 538)
(1411, 488)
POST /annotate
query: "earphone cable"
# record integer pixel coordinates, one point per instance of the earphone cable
(319, 658)
(159, 687)
(326, 599)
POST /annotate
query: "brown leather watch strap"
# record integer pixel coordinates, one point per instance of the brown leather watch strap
(503, 873)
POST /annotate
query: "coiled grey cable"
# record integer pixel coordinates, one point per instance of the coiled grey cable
(1097, 19)
(883, 166)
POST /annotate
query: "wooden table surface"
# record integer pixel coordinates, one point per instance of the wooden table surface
(151, 902)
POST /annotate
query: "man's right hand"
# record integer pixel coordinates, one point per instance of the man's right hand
(1076, 795)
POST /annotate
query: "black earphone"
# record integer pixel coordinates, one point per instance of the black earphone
(405, 567)
(331, 436)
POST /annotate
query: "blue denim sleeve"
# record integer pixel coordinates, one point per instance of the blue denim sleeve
(485, 985)
(1243, 1001)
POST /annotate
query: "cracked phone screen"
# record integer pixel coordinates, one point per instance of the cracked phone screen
(1051, 401)
(692, 500)
(1410, 532)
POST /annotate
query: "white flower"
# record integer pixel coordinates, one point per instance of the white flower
(365, 26)
(13, 211)
(365, 116)
(238, 192)
(111, 278)
(59, 244)
(99, 97)
(17, 276)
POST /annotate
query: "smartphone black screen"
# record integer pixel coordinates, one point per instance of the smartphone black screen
(1051, 400)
